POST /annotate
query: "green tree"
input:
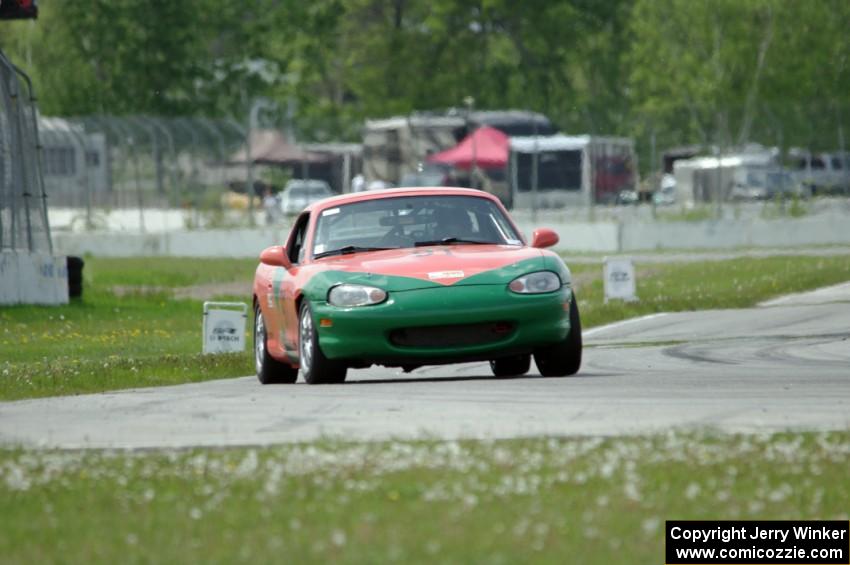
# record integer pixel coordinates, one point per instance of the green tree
(124, 56)
(708, 71)
(727, 72)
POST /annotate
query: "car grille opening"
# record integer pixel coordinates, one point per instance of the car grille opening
(458, 335)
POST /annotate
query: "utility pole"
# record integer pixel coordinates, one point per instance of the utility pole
(535, 158)
(469, 102)
(842, 156)
(256, 106)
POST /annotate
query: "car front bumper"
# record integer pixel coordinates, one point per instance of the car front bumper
(393, 332)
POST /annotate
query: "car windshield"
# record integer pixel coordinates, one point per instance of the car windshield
(411, 221)
(304, 187)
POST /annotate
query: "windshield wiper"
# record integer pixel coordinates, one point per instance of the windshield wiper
(450, 240)
(349, 249)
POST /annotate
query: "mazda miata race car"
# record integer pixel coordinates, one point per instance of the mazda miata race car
(412, 277)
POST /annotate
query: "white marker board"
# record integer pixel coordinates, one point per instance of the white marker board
(224, 327)
(619, 277)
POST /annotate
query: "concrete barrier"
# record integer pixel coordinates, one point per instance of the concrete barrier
(831, 229)
(823, 230)
(225, 243)
(201, 243)
(8, 278)
(683, 235)
(33, 278)
(591, 237)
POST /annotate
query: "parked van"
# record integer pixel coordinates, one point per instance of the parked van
(821, 173)
(763, 183)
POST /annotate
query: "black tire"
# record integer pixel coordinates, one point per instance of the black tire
(316, 368)
(563, 359)
(511, 366)
(75, 276)
(269, 370)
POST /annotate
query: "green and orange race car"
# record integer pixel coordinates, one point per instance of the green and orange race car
(412, 277)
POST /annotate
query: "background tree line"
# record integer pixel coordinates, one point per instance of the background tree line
(678, 71)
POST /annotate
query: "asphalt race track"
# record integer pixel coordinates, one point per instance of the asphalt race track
(782, 366)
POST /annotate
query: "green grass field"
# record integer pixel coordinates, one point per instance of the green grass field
(129, 330)
(105, 341)
(542, 500)
(545, 500)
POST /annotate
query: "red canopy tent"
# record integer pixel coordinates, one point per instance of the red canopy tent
(487, 147)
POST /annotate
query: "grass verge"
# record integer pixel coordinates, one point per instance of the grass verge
(581, 500)
(147, 337)
(106, 341)
(732, 283)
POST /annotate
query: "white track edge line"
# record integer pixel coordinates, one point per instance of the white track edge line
(791, 299)
(613, 325)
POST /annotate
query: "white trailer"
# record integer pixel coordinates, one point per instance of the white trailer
(711, 179)
(570, 170)
(395, 146)
(76, 163)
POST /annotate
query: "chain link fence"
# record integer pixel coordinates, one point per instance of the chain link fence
(23, 201)
(108, 162)
(197, 170)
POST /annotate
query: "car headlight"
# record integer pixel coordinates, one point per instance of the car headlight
(349, 295)
(536, 283)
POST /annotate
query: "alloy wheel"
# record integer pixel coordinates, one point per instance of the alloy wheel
(306, 339)
(259, 341)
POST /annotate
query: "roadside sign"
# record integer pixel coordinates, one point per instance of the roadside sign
(619, 276)
(224, 327)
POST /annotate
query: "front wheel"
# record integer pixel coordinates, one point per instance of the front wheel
(563, 359)
(316, 368)
(269, 369)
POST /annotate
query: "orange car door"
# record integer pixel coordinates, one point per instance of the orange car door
(288, 329)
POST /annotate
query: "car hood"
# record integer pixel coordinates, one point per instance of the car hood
(426, 267)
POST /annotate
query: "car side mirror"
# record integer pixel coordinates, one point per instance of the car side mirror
(544, 237)
(275, 256)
